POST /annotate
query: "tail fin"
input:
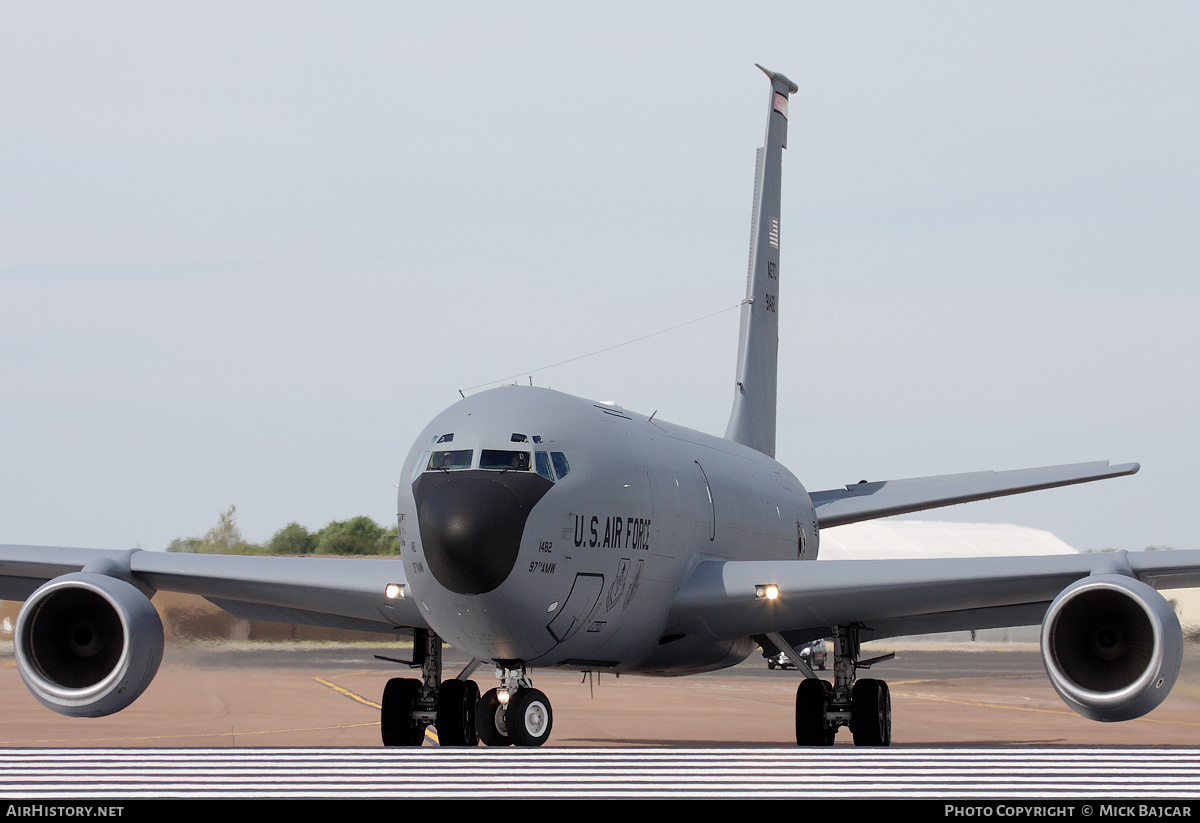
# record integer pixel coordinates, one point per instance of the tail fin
(752, 421)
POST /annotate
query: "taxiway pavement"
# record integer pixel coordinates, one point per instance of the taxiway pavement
(326, 696)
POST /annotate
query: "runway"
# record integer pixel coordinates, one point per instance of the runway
(327, 696)
(301, 721)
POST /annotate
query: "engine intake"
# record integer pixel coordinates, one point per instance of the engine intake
(1112, 646)
(87, 644)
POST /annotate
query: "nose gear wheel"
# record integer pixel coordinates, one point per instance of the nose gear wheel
(529, 718)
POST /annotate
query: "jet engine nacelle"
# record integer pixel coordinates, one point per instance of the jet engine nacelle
(1112, 646)
(88, 644)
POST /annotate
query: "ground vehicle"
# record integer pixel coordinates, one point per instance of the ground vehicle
(780, 661)
(813, 654)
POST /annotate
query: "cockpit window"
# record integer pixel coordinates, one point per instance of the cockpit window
(502, 459)
(561, 466)
(541, 464)
(451, 460)
(551, 465)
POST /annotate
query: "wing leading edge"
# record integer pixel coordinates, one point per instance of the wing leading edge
(868, 501)
(890, 598)
(337, 592)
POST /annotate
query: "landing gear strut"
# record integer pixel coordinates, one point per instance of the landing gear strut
(516, 714)
(865, 706)
(410, 705)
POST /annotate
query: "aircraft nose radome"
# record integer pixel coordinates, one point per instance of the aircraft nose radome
(471, 524)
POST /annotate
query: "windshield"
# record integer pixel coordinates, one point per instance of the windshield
(503, 459)
(451, 460)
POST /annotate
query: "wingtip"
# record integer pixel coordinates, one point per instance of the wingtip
(1121, 469)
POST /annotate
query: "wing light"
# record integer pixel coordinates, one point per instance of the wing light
(394, 591)
(766, 591)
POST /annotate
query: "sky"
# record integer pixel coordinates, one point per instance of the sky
(248, 250)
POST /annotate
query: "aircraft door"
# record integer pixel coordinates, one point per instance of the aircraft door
(585, 591)
(712, 508)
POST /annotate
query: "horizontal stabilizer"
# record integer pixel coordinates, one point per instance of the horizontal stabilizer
(868, 501)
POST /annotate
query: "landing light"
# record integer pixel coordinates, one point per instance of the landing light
(502, 695)
(393, 591)
(768, 590)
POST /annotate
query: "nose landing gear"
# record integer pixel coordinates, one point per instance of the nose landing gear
(529, 718)
(516, 714)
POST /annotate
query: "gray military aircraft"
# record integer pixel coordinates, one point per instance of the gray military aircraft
(543, 530)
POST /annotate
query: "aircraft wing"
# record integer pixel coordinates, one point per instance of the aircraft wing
(867, 501)
(890, 598)
(336, 592)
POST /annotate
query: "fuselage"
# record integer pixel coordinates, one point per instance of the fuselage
(552, 530)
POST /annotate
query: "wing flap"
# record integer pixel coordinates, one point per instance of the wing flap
(245, 610)
(868, 501)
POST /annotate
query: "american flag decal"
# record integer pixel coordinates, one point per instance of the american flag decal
(773, 233)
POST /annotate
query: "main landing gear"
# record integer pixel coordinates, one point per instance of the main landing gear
(410, 705)
(514, 714)
(865, 706)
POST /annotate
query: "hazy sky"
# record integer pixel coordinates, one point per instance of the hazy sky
(247, 250)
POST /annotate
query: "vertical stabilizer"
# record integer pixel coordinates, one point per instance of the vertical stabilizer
(752, 421)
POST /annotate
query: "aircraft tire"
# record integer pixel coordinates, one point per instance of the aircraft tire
(490, 720)
(456, 713)
(395, 716)
(529, 718)
(871, 713)
(812, 695)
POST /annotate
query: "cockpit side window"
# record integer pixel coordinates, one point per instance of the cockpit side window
(420, 464)
(505, 460)
(561, 466)
(541, 462)
(451, 460)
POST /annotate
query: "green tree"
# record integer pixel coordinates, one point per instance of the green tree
(358, 535)
(223, 538)
(292, 539)
(191, 545)
(389, 542)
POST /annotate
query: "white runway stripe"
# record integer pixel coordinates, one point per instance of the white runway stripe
(504, 773)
